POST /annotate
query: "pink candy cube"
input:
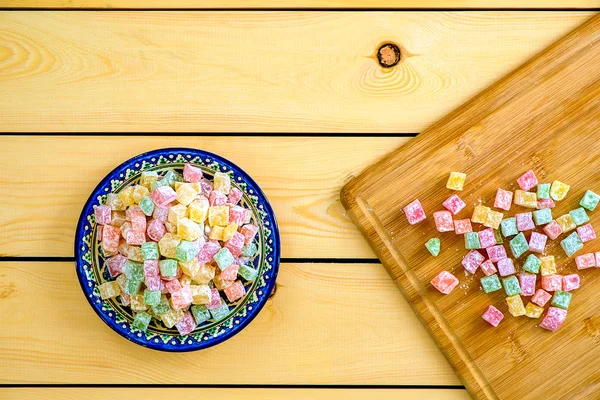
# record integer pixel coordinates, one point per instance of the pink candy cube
(445, 282)
(524, 222)
(181, 298)
(553, 230)
(191, 173)
(237, 215)
(537, 242)
(541, 297)
(493, 316)
(151, 268)
(585, 261)
(102, 214)
(110, 239)
(249, 231)
(545, 203)
(454, 204)
(554, 319)
(235, 244)
(503, 199)
(138, 223)
(187, 324)
(163, 195)
(215, 300)
(552, 283)
(462, 226)
(597, 259)
(207, 187)
(161, 213)
(125, 299)
(217, 199)
(527, 283)
(156, 230)
(472, 261)
(235, 291)
(506, 267)
(487, 238)
(488, 267)
(496, 253)
(235, 195)
(230, 273)
(133, 211)
(586, 233)
(173, 286)
(571, 282)
(414, 212)
(207, 251)
(99, 230)
(527, 180)
(135, 238)
(116, 264)
(153, 282)
(443, 221)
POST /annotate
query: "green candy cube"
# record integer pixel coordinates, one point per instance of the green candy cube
(168, 267)
(146, 205)
(490, 283)
(249, 250)
(561, 299)
(590, 200)
(186, 251)
(543, 191)
(543, 216)
(519, 245)
(151, 297)
(511, 285)
(509, 227)
(150, 251)
(141, 321)
(171, 177)
(134, 270)
(571, 244)
(221, 312)
(133, 286)
(433, 245)
(498, 236)
(224, 258)
(532, 264)
(200, 313)
(248, 273)
(158, 183)
(472, 241)
(162, 307)
(579, 216)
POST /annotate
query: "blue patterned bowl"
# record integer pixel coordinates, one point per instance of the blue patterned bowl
(92, 272)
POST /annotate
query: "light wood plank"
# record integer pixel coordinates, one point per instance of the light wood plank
(302, 3)
(44, 182)
(234, 394)
(255, 71)
(327, 324)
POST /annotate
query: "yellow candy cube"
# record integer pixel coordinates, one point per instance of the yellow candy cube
(171, 228)
(134, 253)
(533, 311)
(109, 290)
(493, 219)
(137, 303)
(548, 266)
(185, 280)
(198, 209)
(188, 229)
(525, 199)
(186, 193)
(172, 317)
(125, 228)
(114, 202)
(559, 190)
(126, 196)
(177, 185)
(122, 281)
(222, 183)
(200, 294)
(218, 216)
(205, 274)
(197, 186)
(456, 181)
(190, 268)
(168, 245)
(220, 283)
(148, 178)
(229, 231)
(175, 212)
(566, 223)
(515, 305)
(139, 192)
(117, 218)
(480, 214)
(216, 233)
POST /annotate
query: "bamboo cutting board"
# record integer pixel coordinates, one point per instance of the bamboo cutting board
(544, 116)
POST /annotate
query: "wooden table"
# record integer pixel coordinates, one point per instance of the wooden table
(225, 81)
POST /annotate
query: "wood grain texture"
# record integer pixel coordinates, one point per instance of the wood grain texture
(451, 4)
(255, 71)
(544, 117)
(326, 324)
(235, 394)
(45, 181)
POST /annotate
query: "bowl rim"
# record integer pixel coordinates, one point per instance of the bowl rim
(80, 233)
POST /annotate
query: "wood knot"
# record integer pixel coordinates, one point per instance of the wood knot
(388, 55)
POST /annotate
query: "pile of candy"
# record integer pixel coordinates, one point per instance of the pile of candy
(488, 243)
(173, 243)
